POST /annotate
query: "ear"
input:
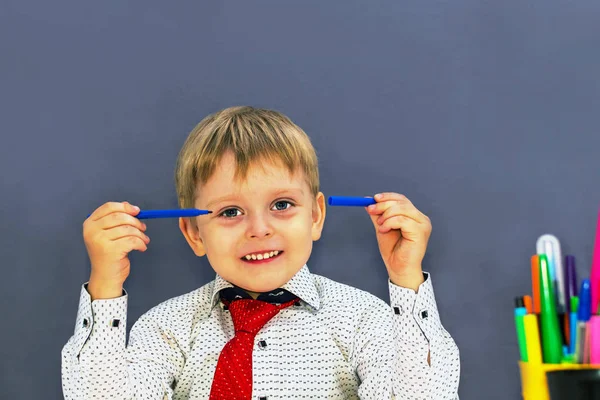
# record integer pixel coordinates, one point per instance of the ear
(192, 235)
(318, 216)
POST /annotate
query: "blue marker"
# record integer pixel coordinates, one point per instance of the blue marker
(583, 315)
(351, 201)
(176, 213)
(584, 310)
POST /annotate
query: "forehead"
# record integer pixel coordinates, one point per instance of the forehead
(261, 174)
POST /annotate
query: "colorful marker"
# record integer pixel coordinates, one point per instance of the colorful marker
(351, 201)
(595, 339)
(175, 213)
(570, 278)
(583, 316)
(573, 324)
(586, 347)
(532, 338)
(520, 312)
(595, 274)
(528, 303)
(550, 246)
(551, 337)
(570, 292)
(535, 283)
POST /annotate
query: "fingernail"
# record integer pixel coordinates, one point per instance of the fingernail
(137, 208)
(371, 207)
(378, 196)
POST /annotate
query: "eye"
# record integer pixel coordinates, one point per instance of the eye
(282, 205)
(229, 213)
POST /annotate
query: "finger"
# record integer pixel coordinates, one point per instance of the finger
(120, 219)
(126, 230)
(385, 196)
(406, 210)
(112, 207)
(385, 200)
(399, 222)
(129, 243)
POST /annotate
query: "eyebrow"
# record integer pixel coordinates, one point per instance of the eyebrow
(279, 192)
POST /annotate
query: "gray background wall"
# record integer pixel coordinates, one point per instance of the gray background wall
(484, 113)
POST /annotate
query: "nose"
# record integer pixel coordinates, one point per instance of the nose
(259, 227)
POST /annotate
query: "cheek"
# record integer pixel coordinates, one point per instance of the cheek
(300, 229)
(218, 239)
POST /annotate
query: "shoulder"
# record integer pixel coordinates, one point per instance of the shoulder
(336, 293)
(351, 313)
(188, 307)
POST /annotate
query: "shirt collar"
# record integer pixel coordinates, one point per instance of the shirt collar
(301, 285)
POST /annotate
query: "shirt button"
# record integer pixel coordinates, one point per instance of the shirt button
(262, 398)
(424, 314)
(262, 345)
(86, 323)
(397, 311)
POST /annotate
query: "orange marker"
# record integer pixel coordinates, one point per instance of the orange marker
(535, 283)
(528, 303)
(567, 328)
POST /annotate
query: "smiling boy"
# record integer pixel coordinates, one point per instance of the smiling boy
(258, 174)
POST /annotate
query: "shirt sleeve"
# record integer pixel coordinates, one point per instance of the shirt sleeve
(401, 371)
(97, 364)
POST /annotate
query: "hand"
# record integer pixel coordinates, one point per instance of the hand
(110, 233)
(402, 235)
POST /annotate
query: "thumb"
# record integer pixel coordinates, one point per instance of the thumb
(131, 209)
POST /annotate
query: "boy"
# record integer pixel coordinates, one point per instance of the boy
(265, 328)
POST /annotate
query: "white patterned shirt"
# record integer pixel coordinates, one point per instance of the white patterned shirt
(338, 343)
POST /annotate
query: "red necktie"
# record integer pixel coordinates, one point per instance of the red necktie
(233, 376)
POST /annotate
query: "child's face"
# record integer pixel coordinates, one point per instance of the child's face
(271, 211)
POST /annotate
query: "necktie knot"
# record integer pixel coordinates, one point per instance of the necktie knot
(251, 315)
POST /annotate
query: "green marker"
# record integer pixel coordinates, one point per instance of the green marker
(569, 359)
(520, 312)
(573, 324)
(551, 337)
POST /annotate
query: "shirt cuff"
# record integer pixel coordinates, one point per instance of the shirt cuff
(417, 310)
(101, 325)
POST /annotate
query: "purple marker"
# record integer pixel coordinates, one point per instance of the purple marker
(572, 282)
(351, 201)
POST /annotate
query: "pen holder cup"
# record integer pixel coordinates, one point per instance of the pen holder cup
(559, 381)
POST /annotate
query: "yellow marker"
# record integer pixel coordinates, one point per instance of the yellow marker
(532, 338)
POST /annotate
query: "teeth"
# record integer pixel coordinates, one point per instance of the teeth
(261, 256)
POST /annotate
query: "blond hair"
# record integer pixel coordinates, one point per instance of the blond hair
(253, 135)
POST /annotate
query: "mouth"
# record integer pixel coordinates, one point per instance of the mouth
(262, 257)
